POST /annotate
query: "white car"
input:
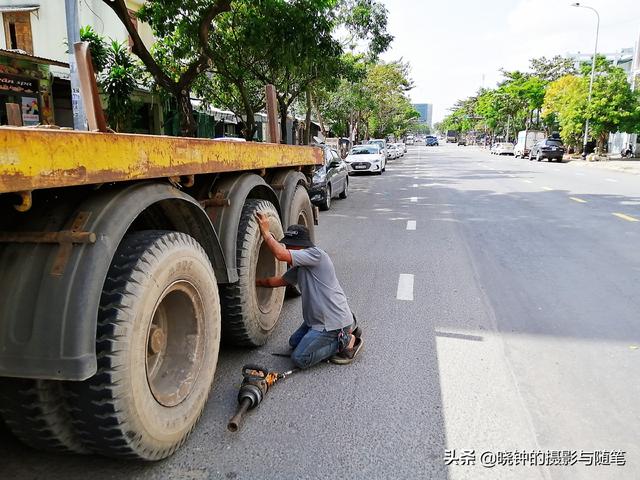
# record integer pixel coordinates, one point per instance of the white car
(393, 148)
(502, 149)
(366, 158)
(402, 149)
(382, 144)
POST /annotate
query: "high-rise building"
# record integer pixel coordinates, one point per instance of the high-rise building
(426, 113)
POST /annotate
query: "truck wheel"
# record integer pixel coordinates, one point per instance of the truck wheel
(157, 345)
(251, 313)
(301, 211)
(36, 412)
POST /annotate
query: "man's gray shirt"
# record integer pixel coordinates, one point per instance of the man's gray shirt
(324, 304)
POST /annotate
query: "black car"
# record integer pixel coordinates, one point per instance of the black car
(329, 180)
(550, 148)
(431, 141)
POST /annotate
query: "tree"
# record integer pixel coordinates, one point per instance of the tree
(614, 106)
(178, 56)
(551, 69)
(565, 102)
(118, 83)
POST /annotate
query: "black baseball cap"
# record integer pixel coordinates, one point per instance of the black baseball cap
(297, 236)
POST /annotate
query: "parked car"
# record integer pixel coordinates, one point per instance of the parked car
(382, 143)
(410, 140)
(392, 151)
(401, 149)
(462, 142)
(431, 141)
(329, 180)
(550, 148)
(502, 148)
(366, 158)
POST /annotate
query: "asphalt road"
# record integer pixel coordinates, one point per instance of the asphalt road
(499, 300)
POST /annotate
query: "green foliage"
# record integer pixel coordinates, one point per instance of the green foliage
(565, 103)
(614, 106)
(554, 95)
(118, 83)
(551, 69)
(371, 101)
(97, 47)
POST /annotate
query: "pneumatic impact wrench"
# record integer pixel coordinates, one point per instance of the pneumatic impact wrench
(256, 382)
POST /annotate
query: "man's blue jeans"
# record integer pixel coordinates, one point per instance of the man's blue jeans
(312, 346)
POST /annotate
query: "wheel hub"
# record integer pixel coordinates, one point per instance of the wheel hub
(175, 344)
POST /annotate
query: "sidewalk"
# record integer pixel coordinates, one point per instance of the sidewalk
(631, 165)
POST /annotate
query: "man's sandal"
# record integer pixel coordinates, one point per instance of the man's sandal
(347, 356)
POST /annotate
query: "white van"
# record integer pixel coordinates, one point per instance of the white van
(526, 140)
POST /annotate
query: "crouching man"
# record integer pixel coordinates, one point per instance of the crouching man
(328, 330)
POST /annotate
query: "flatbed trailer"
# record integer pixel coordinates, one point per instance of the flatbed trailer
(124, 261)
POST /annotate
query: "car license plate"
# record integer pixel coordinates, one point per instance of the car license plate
(360, 167)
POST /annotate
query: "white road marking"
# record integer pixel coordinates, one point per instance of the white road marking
(405, 287)
(579, 200)
(628, 218)
(580, 174)
(415, 185)
(414, 199)
(548, 189)
(527, 181)
(611, 180)
(411, 224)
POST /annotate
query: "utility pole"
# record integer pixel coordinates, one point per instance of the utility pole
(73, 37)
(593, 73)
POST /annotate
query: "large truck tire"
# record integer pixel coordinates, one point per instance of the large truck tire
(251, 313)
(301, 211)
(35, 411)
(157, 345)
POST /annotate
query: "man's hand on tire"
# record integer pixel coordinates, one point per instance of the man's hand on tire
(263, 223)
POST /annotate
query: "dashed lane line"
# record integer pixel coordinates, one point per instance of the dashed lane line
(405, 287)
(548, 189)
(628, 218)
(579, 200)
(411, 224)
(414, 199)
(612, 180)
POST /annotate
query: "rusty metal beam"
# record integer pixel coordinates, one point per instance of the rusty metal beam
(273, 126)
(89, 88)
(14, 114)
(35, 159)
(64, 236)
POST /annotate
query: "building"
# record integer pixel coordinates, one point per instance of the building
(27, 83)
(37, 28)
(426, 113)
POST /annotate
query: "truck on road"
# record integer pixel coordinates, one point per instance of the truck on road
(124, 261)
(452, 136)
(526, 140)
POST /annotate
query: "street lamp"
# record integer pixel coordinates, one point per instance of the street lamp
(593, 72)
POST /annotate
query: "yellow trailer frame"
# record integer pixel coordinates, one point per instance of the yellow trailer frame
(32, 159)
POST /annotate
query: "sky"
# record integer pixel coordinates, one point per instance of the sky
(457, 46)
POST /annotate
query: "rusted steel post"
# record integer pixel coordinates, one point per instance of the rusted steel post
(14, 114)
(272, 115)
(89, 88)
